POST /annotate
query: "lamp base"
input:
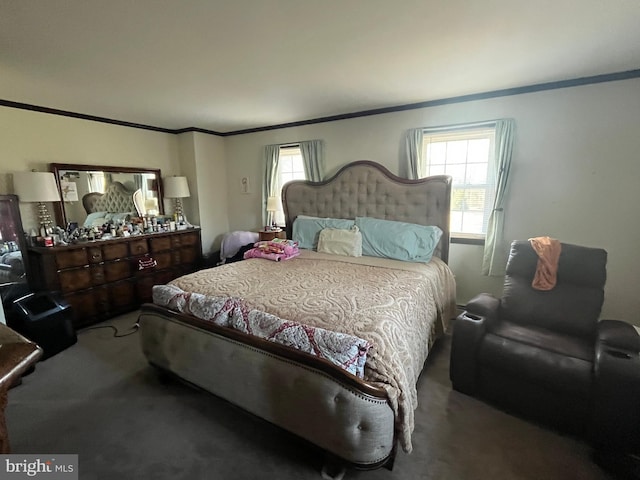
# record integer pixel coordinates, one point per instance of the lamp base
(44, 218)
(178, 214)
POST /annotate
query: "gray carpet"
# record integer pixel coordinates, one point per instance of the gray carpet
(101, 400)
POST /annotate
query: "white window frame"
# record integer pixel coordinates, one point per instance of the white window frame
(461, 171)
(287, 171)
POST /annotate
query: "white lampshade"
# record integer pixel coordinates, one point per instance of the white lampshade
(176, 187)
(272, 204)
(36, 187)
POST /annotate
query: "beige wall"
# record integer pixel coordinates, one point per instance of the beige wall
(574, 173)
(202, 159)
(31, 140)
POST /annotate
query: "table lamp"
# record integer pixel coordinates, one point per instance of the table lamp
(37, 187)
(177, 188)
(272, 208)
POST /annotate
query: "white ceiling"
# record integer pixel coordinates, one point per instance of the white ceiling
(227, 65)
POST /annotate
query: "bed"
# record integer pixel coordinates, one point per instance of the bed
(397, 308)
(116, 204)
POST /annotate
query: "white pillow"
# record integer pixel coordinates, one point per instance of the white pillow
(306, 230)
(341, 242)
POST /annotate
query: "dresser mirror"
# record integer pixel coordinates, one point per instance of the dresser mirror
(94, 194)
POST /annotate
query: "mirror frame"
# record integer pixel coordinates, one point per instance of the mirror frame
(56, 168)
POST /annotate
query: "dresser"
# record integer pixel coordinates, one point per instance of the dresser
(104, 278)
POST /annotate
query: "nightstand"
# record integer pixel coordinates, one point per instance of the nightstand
(265, 235)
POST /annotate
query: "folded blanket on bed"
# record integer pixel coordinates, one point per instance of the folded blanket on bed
(346, 351)
(275, 250)
(276, 257)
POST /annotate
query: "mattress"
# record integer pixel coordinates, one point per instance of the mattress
(398, 307)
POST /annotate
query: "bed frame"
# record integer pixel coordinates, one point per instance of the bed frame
(116, 199)
(345, 416)
(367, 189)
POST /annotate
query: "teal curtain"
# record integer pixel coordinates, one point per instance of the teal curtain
(270, 185)
(494, 258)
(313, 159)
(414, 167)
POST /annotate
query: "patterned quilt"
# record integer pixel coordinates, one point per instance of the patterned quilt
(345, 351)
(398, 307)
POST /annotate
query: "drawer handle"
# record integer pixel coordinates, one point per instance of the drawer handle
(95, 256)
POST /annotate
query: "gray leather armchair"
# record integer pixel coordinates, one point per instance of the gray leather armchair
(546, 355)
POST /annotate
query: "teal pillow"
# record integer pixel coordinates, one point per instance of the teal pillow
(306, 230)
(398, 240)
(119, 217)
(95, 219)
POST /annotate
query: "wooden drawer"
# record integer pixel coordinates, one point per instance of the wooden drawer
(88, 305)
(160, 244)
(184, 239)
(164, 260)
(188, 255)
(144, 285)
(139, 246)
(71, 258)
(94, 254)
(97, 274)
(115, 250)
(184, 255)
(116, 270)
(83, 307)
(183, 269)
(75, 279)
(160, 278)
(190, 238)
(122, 295)
(101, 297)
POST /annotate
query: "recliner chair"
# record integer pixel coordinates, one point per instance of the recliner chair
(545, 354)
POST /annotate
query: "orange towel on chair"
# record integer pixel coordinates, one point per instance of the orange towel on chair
(548, 250)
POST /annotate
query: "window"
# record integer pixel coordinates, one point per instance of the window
(465, 155)
(290, 167)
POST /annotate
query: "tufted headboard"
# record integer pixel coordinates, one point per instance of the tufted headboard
(117, 199)
(367, 189)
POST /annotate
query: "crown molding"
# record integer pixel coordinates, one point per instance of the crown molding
(506, 92)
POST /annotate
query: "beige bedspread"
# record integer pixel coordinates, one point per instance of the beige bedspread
(397, 306)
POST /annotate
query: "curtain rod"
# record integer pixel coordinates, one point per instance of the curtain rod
(459, 126)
